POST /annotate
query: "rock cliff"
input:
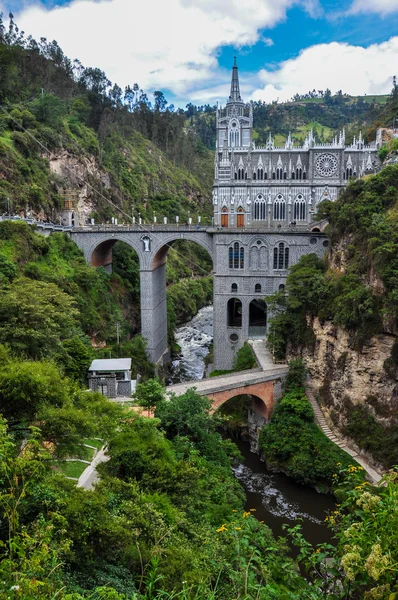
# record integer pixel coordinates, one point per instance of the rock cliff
(346, 378)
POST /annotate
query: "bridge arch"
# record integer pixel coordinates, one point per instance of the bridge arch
(161, 247)
(262, 395)
(99, 252)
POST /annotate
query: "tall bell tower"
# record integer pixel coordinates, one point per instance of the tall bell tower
(232, 123)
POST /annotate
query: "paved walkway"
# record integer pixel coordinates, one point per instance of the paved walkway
(263, 355)
(373, 475)
(89, 477)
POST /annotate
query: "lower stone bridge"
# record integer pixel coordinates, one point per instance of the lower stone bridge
(265, 387)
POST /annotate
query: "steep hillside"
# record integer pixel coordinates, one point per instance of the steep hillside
(66, 126)
(342, 314)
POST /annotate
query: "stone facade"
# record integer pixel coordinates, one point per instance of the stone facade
(263, 200)
(274, 186)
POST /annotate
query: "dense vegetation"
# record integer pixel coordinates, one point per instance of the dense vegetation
(293, 443)
(364, 236)
(356, 289)
(53, 305)
(127, 151)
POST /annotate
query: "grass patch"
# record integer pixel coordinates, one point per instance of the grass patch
(93, 442)
(72, 468)
(218, 372)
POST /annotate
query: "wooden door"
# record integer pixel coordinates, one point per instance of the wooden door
(240, 219)
(224, 217)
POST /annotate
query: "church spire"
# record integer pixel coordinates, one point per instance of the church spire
(235, 92)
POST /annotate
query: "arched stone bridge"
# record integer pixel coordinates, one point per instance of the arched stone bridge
(248, 265)
(265, 387)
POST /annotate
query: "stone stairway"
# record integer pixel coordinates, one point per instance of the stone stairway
(373, 475)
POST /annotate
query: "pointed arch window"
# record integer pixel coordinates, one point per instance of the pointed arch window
(279, 173)
(234, 134)
(260, 173)
(260, 208)
(281, 256)
(279, 208)
(257, 288)
(299, 209)
(299, 173)
(236, 256)
(241, 173)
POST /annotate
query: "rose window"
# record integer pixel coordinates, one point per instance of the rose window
(326, 165)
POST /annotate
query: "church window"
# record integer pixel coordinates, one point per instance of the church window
(234, 288)
(293, 174)
(236, 256)
(304, 175)
(279, 173)
(257, 288)
(273, 174)
(234, 135)
(281, 256)
(284, 175)
(299, 208)
(260, 173)
(254, 175)
(260, 208)
(299, 173)
(236, 175)
(279, 208)
(281, 287)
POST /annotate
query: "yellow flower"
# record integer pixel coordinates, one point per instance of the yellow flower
(252, 510)
(238, 528)
(234, 511)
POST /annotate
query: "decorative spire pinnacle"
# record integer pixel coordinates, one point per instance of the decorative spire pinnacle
(235, 92)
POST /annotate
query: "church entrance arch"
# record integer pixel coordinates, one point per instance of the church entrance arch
(257, 318)
(224, 216)
(240, 217)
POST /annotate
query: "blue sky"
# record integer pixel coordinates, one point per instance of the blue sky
(186, 47)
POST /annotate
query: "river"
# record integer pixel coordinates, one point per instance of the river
(276, 498)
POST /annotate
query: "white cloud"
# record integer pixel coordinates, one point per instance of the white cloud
(353, 69)
(381, 7)
(159, 44)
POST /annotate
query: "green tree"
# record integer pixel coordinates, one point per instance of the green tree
(26, 386)
(149, 394)
(35, 316)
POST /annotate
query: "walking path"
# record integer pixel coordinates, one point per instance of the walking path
(263, 355)
(264, 360)
(374, 475)
(89, 477)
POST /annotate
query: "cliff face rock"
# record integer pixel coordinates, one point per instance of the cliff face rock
(344, 376)
(83, 175)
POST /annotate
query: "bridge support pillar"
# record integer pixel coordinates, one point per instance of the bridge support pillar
(154, 312)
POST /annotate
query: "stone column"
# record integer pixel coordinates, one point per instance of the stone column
(154, 311)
